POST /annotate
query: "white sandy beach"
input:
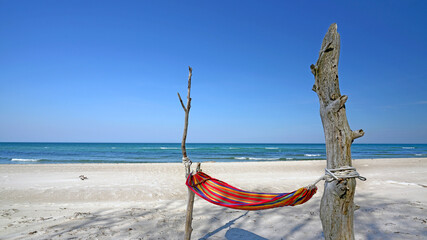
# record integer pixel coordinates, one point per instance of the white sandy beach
(147, 201)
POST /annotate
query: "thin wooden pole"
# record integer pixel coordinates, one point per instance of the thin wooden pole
(337, 206)
(187, 162)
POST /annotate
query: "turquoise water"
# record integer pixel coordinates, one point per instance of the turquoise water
(33, 153)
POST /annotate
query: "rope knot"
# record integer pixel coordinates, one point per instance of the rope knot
(186, 160)
(338, 174)
(342, 173)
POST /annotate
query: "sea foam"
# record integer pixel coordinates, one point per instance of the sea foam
(256, 159)
(24, 160)
(312, 155)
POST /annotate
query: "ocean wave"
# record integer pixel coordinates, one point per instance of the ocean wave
(271, 148)
(263, 159)
(311, 155)
(217, 158)
(24, 160)
(157, 148)
(408, 147)
(419, 154)
(256, 159)
(51, 161)
(289, 158)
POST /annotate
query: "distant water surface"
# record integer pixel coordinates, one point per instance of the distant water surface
(34, 153)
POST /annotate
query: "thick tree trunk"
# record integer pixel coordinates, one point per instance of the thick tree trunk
(337, 207)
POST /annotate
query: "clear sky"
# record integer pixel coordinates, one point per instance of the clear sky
(109, 71)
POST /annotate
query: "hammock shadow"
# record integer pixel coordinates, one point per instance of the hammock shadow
(378, 216)
(227, 225)
(240, 234)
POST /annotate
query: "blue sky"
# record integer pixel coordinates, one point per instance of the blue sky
(109, 71)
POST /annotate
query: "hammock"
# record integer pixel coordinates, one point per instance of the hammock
(223, 194)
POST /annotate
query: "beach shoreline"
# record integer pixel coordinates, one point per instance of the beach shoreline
(147, 200)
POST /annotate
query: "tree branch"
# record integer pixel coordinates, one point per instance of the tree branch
(187, 112)
(313, 69)
(357, 134)
(190, 73)
(182, 104)
(337, 104)
(187, 162)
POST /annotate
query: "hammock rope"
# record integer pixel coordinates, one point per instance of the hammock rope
(221, 193)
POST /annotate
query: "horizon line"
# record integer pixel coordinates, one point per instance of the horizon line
(195, 142)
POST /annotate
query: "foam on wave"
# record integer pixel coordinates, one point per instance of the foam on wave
(256, 159)
(24, 160)
(312, 155)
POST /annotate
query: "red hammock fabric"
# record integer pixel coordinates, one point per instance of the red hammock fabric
(223, 194)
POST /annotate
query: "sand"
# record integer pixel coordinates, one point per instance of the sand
(147, 201)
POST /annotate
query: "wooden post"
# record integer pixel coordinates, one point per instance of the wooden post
(187, 162)
(337, 207)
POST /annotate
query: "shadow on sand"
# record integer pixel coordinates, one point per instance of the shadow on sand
(377, 218)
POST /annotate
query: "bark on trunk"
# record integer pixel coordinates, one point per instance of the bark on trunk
(337, 207)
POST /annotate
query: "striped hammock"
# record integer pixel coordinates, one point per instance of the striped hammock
(223, 194)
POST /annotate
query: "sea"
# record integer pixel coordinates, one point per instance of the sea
(53, 153)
